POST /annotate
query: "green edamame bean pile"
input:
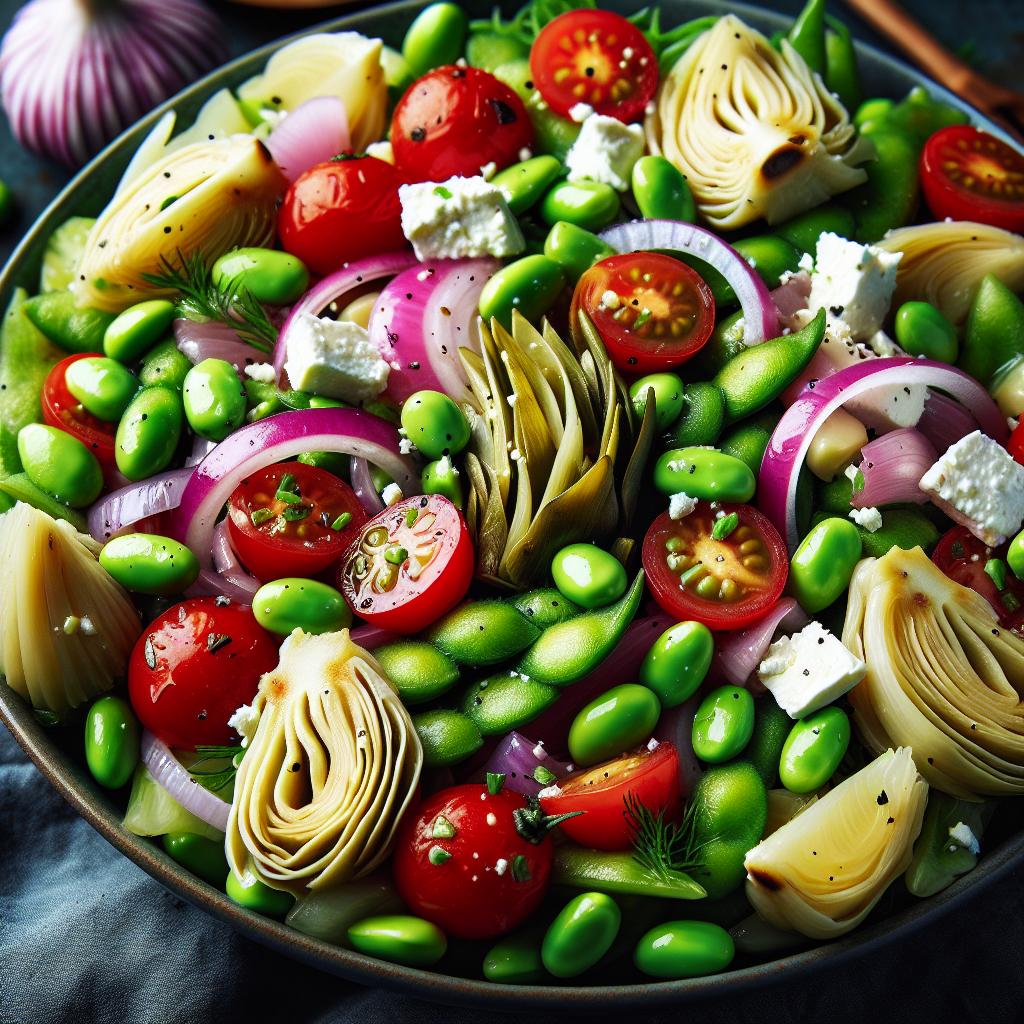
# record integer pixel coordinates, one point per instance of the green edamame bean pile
(519, 545)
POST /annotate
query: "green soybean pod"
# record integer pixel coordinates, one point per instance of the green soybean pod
(165, 364)
(435, 424)
(111, 742)
(506, 701)
(298, 603)
(60, 464)
(677, 662)
(524, 183)
(202, 856)
(684, 949)
(587, 204)
(482, 633)
(214, 399)
(530, 284)
(515, 960)
(1015, 556)
(822, 566)
(418, 670)
(68, 325)
(102, 385)
(574, 248)
(253, 894)
(147, 563)
(269, 275)
(922, 330)
(399, 938)
(448, 737)
(701, 418)
(581, 934)
(668, 397)
(704, 473)
(723, 724)
(435, 37)
(588, 575)
(545, 607)
(441, 477)
(661, 192)
(148, 433)
(813, 750)
(620, 718)
(137, 329)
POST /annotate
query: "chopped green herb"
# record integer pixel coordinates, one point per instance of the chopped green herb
(261, 515)
(411, 516)
(442, 192)
(438, 856)
(543, 776)
(520, 868)
(442, 828)
(342, 521)
(216, 777)
(396, 554)
(661, 846)
(858, 481)
(724, 526)
(645, 315)
(995, 569)
(1010, 602)
(495, 780)
(294, 513)
(167, 202)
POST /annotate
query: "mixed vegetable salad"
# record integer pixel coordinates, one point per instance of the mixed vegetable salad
(546, 502)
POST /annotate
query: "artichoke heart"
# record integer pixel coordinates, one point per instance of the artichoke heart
(207, 197)
(822, 872)
(330, 770)
(945, 262)
(942, 676)
(756, 133)
(66, 628)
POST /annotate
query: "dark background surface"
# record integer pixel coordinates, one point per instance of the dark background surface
(86, 936)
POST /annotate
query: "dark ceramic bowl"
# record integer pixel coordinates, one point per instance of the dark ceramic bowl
(58, 753)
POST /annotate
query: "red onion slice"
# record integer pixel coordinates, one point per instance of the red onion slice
(517, 758)
(760, 317)
(227, 564)
(370, 637)
(738, 654)
(120, 510)
(793, 296)
(362, 484)
(170, 773)
(309, 135)
(945, 421)
(198, 341)
(892, 466)
(675, 726)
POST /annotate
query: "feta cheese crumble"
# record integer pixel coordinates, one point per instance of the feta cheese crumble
(391, 494)
(579, 112)
(334, 358)
(381, 151)
(262, 372)
(605, 151)
(868, 518)
(681, 505)
(244, 722)
(962, 834)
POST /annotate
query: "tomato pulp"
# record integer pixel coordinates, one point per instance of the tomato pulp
(62, 410)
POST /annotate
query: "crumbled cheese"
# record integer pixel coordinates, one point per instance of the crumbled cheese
(579, 112)
(681, 505)
(459, 218)
(488, 170)
(492, 818)
(610, 300)
(391, 494)
(806, 263)
(382, 151)
(979, 485)
(605, 151)
(334, 358)
(652, 744)
(262, 372)
(538, 752)
(445, 467)
(553, 790)
(405, 446)
(962, 834)
(500, 866)
(525, 154)
(244, 722)
(88, 627)
(882, 345)
(868, 518)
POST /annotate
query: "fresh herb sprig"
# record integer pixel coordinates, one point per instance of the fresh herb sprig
(216, 778)
(662, 847)
(202, 298)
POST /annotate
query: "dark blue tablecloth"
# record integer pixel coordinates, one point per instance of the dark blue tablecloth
(86, 936)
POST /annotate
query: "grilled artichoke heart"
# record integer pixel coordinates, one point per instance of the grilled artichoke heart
(943, 678)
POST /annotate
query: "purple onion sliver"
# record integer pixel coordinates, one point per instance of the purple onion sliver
(198, 341)
(675, 726)
(309, 135)
(170, 773)
(945, 421)
(362, 485)
(516, 757)
(892, 466)
(120, 510)
(737, 654)
(370, 637)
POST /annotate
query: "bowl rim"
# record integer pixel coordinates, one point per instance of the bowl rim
(88, 801)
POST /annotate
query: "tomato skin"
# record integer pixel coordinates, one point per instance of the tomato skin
(651, 776)
(1015, 445)
(341, 211)
(993, 168)
(465, 896)
(454, 121)
(62, 410)
(765, 585)
(196, 684)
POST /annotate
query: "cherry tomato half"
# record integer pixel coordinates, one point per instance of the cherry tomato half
(651, 311)
(62, 410)
(726, 584)
(968, 174)
(194, 666)
(485, 877)
(1015, 445)
(651, 776)
(454, 121)
(597, 58)
(409, 565)
(282, 520)
(341, 211)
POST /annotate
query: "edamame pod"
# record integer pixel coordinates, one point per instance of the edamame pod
(620, 718)
(524, 183)
(702, 416)
(72, 328)
(435, 37)
(165, 364)
(574, 248)
(581, 934)
(481, 633)
(723, 724)
(418, 670)
(515, 960)
(704, 473)
(297, 603)
(888, 199)
(147, 563)
(202, 856)
(447, 736)
(668, 397)
(60, 464)
(545, 607)
(399, 938)
(661, 191)
(435, 424)
(111, 742)
(684, 949)
(132, 333)
(807, 35)
(618, 871)
(214, 399)
(994, 333)
(148, 433)
(589, 575)
(441, 477)
(813, 750)
(677, 662)
(587, 204)
(822, 566)
(270, 276)
(103, 386)
(748, 440)
(506, 701)
(251, 893)
(530, 284)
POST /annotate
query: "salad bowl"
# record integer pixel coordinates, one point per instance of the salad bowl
(55, 751)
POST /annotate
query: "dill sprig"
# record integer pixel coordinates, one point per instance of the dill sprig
(202, 299)
(216, 778)
(662, 847)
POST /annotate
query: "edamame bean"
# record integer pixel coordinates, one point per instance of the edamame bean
(581, 934)
(504, 702)
(668, 397)
(297, 603)
(804, 230)
(822, 566)
(723, 724)
(147, 563)
(620, 718)
(923, 331)
(813, 750)
(490, 50)
(1015, 556)
(434, 38)
(148, 433)
(441, 477)
(530, 284)
(418, 670)
(214, 399)
(202, 856)
(677, 662)
(660, 190)
(545, 607)
(701, 418)
(103, 386)
(574, 248)
(60, 464)
(399, 938)
(589, 575)
(111, 742)
(480, 633)
(447, 736)
(872, 110)
(274, 277)
(515, 960)
(135, 331)
(65, 323)
(771, 727)
(587, 204)
(524, 183)
(770, 255)
(253, 894)
(704, 473)
(165, 364)
(435, 424)
(684, 949)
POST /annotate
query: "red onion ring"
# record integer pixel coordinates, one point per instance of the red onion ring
(362, 484)
(516, 758)
(170, 773)
(738, 654)
(309, 135)
(370, 637)
(675, 726)
(120, 510)
(945, 421)
(892, 466)
(198, 341)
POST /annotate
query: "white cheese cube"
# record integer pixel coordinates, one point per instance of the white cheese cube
(808, 670)
(853, 282)
(979, 485)
(459, 218)
(681, 505)
(579, 112)
(962, 835)
(605, 150)
(262, 372)
(868, 518)
(391, 494)
(335, 359)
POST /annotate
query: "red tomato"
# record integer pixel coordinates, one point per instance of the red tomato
(651, 311)
(494, 877)
(597, 58)
(194, 666)
(276, 535)
(341, 211)
(968, 174)
(62, 410)
(679, 555)
(409, 565)
(652, 776)
(453, 121)
(962, 557)
(1015, 446)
